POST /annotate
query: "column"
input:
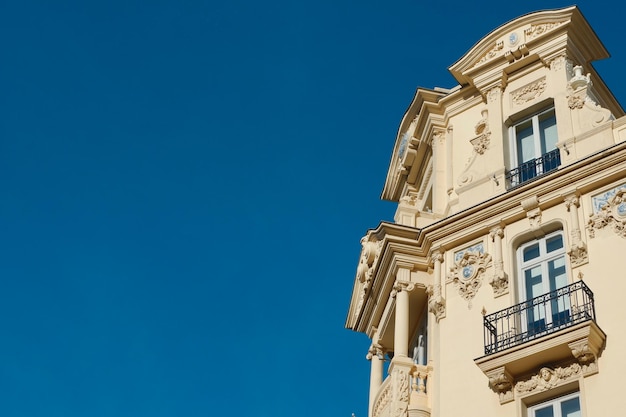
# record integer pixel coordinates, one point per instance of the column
(375, 355)
(401, 335)
(436, 301)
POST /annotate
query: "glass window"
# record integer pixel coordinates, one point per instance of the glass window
(542, 270)
(567, 406)
(534, 147)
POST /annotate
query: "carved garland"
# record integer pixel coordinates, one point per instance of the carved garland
(529, 92)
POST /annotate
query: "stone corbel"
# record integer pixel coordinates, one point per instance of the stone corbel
(499, 281)
(533, 212)
(501, 382)
(586, 352)
(578, 249)
(436, 301)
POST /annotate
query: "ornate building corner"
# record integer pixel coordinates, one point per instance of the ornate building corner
(548, 378)
(499, 281)
(436, 303)
(468, 270)
(611, 214)
(581, 98)
(578, 248)
(501, 382)
(483, 134)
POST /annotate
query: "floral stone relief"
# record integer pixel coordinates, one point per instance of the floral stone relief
(467, 272)
(609, 211)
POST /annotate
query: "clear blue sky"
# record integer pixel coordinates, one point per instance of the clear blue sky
(184, 186)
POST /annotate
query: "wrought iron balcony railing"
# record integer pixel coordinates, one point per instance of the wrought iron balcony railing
(533, 168)
(540, 316)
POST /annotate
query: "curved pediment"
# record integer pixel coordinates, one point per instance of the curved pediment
(542, 35)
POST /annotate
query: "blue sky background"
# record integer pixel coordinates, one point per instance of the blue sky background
(184, 186)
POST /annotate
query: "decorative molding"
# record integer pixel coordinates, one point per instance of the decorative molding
(370, 252)
(499, 281)
(578, 249)
(401, 384)
(436, 303)
(612, 214)
(575, 102)
(529, 92)
(375, 349)
(501, 382)
(481, 141)
(491, 53)
(533, 212)
(538, 30)
(400, 286)
(548, 378)
(557, 63)
(468, 270)
(383, 399)
(494, 94)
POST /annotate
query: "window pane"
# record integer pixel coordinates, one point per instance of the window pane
(531, 252)
(547, 131)
(556, 272)
(525, 142)
(544, 412)
(554, 243)
(570, 408)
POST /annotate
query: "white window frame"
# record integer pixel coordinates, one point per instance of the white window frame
(554, 403)
(514, 157)
(543, 262)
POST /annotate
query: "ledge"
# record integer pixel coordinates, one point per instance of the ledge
(582, 343)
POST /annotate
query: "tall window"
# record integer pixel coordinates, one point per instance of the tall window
(568, 406)
(542, 270)
(534, 147)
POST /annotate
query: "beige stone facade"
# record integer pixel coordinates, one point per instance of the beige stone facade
(497, 290)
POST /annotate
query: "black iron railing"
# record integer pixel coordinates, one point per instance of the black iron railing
(538, 317)
(533, 168)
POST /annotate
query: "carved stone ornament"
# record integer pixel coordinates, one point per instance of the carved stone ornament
(401, 384)
(375, 350)
(612, 214)
(501, 382)
(538, 30)
(587, 356)
(481, 141)
(548, 378)
(369, 256)
(467, 272)
(494, 94)
(575, 102)
(529, 92)
(436, 303)
(492, 53)
(383, 400)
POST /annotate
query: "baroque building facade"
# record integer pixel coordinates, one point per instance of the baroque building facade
(495, 291)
